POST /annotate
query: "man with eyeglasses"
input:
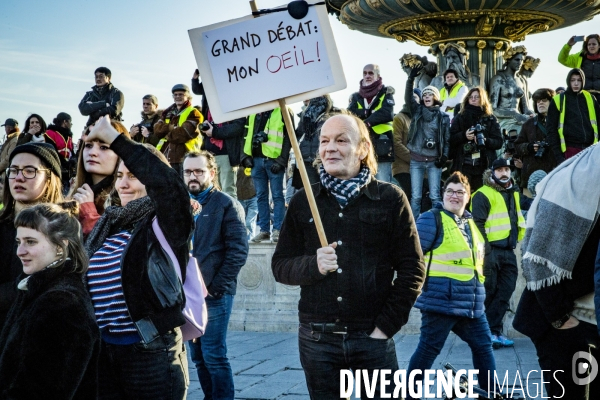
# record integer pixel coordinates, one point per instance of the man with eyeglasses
(103, 99)
(177, 130)
(453, 294)
(219, 244)
(143, 132)
(374, 105)
(497, 213)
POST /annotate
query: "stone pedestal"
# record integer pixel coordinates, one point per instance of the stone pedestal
(263, 305)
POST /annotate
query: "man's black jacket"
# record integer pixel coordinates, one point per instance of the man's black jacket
(376, 236)
(99, 97)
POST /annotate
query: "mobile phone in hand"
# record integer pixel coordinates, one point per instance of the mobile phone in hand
(578, 39)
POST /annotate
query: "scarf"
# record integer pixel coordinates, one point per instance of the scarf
(430, 113)
(345, 190)
(593, 57)
(201, 197)
(368, 92)
(560, 219)
(117, 218)
(172, 111)
(315, 109)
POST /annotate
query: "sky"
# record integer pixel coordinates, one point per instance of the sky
(50, 49)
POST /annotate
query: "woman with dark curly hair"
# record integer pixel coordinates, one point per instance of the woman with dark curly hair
(34, 130)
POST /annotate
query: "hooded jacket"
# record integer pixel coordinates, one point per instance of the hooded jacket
(445, 295)
(577, 131)
(480, 209)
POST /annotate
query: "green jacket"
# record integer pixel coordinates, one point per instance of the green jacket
(569, 60)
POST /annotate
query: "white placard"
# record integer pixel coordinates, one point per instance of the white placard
(247, 64)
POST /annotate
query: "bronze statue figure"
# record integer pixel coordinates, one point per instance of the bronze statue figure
(455, 57)
(429, 71)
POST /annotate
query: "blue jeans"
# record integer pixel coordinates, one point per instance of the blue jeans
(417, 174)
(263, 178)
(323, 355)
(384, 172)
(435, 329)
(209, 352)
(251, 210)
(157, 370)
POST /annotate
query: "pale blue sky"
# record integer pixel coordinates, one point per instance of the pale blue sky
(50, 49)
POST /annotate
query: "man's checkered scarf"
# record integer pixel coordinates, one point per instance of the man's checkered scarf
(345, 190)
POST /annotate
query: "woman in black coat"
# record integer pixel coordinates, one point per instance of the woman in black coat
(137, 296)
(470, 157)
(50, 343)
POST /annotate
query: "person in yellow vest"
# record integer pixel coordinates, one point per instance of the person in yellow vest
(453, 92)
(453, 295)
(177, 129)
(572, 119)
(497, 213)
(266, 150)
(374, 105)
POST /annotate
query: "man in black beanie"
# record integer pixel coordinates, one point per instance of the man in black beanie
(103, 99)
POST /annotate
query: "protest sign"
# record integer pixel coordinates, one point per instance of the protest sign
(247, 64)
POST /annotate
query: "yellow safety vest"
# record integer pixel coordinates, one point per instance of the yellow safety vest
(497, 225)
(453, 92)
(274, 130)
(381, 128)
(454, 258)
(191, 145)
(562, 110)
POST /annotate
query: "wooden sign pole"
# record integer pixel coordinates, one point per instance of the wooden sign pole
(289, 126)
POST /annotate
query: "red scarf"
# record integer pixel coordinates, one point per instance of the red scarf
(368, 92)
(593, 57)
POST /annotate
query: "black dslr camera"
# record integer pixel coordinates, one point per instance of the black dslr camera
(509, 141)
(479, 136)
(541, 149)
(258, 139)
(205, 126)
(148, 126)
(429, 144)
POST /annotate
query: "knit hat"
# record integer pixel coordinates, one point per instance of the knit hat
(534, 179)
(417, 91)
(432, 90)
(44, 151)
(502, 162)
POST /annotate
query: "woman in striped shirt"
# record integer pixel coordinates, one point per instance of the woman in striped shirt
(136, 294)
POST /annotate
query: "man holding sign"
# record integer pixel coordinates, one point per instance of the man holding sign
(350, 305)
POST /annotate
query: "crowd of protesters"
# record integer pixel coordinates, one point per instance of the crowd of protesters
(434, 193)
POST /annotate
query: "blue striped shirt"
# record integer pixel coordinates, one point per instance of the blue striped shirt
(106, 291)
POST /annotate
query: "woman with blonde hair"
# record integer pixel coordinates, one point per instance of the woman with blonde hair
(474, 137)
(95, 180)
(50, 345)
(33, 177)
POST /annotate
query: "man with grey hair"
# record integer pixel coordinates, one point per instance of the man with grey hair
(177, 128)
(143, 132)
(350, 304)
(374, 105)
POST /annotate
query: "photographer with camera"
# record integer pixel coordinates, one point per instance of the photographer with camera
(428, 141)
(474, 137)
(531, 146)
(266, 151)
(144, 131)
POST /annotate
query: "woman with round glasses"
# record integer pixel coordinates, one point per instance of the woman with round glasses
(33, 177)
(474, 137)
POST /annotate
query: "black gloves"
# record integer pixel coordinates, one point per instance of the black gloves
(415, 71)
(276, 168)
(441, 161)
(248, 162)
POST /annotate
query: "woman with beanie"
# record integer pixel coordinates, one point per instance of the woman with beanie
(49, 348)
(428, 141)
(94, 182)
(34, 130)
(33, 176)
(137, 296)
(60, 136)
(588, 60)
(471, 154)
